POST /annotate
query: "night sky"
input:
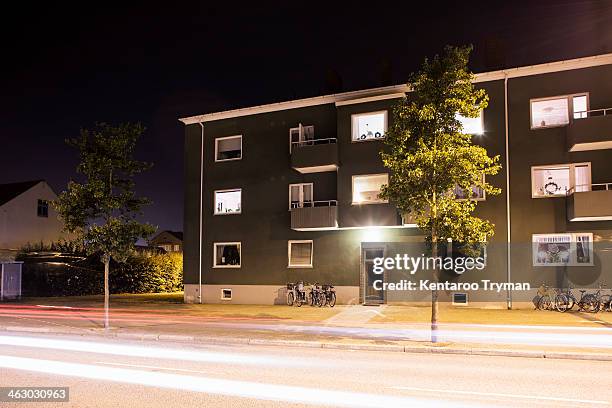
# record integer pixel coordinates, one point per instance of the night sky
(64, 68)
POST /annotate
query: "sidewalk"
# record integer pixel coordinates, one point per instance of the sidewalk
(390, 328)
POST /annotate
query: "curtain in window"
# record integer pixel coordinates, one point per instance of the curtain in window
(301, 253)
(582, 178)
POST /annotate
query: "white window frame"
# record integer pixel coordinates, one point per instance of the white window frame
(570, 108)
(573, 261)
(299, 241)
(301, 193)
(217, 160)
(301, 134)
(226, 191)
(215, 244)
(353, 189)
(230, 294)
(467, 300)
(572, 176)
(354, 130)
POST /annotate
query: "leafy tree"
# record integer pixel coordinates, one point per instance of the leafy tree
(428, 155)
(102, 209)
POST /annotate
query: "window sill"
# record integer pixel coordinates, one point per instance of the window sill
(226, 160)
(300, 266)
(369, 202)
(228, 213)
(227, 266)
(376, 139)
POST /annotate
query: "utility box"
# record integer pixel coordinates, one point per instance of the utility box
(10, 280)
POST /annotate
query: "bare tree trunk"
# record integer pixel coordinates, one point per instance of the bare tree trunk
(434, 293)
(106, 291)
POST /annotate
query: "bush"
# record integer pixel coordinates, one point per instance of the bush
(68, 274)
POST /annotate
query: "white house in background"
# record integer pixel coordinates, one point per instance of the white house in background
(26, 215)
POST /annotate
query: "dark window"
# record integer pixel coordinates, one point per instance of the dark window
(460, 298)
(42, 209)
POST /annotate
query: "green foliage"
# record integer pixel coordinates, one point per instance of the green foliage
(65, 274)
(102, 209)
(428, 154)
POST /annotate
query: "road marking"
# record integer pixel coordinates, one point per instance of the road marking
(496, 394)
(217, 386)
(183, 370)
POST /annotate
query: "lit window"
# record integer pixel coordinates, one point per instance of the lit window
(475, 193)
(42, 209)
(300, 195)
(300, 254)
(555, 111)
(560, 180)
(367, 188)
(472, 126)
(369, 126)
(177, 248)
(226, 255)
(228, 201)
(228, 148)
(574, 249)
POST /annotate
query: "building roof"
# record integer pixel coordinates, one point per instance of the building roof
(12, 190)
(176, 234)
(398, 91)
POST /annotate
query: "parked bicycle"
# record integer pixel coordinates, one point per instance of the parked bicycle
(296, 294)
(329, 295)
(316, 297)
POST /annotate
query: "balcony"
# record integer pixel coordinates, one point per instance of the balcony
(315, 215)
(595, 204)
(591, 131)
(314, 155)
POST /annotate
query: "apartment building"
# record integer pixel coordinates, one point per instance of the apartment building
(289, 191)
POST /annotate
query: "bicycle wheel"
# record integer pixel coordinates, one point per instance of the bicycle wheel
(544, 303)
(311, 299)
(561, 303)
(590, 304)
(572, 301)
(321, 300)
(332, 299)
(290, 299)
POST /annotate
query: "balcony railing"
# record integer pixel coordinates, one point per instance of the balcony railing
(312, 142)
(581, 188)
(314, 155)
(319, 203)
(590, 202)
(314, 215)
(590, 130)
(592, 112)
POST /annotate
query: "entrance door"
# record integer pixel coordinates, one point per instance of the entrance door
(370, 294)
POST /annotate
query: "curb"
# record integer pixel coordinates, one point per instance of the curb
(316, 344)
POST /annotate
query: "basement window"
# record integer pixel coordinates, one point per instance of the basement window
(460, 299)
(226, 255)
(226, 294)
(228, 148)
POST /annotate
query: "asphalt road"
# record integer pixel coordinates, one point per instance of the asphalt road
(117, 373)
